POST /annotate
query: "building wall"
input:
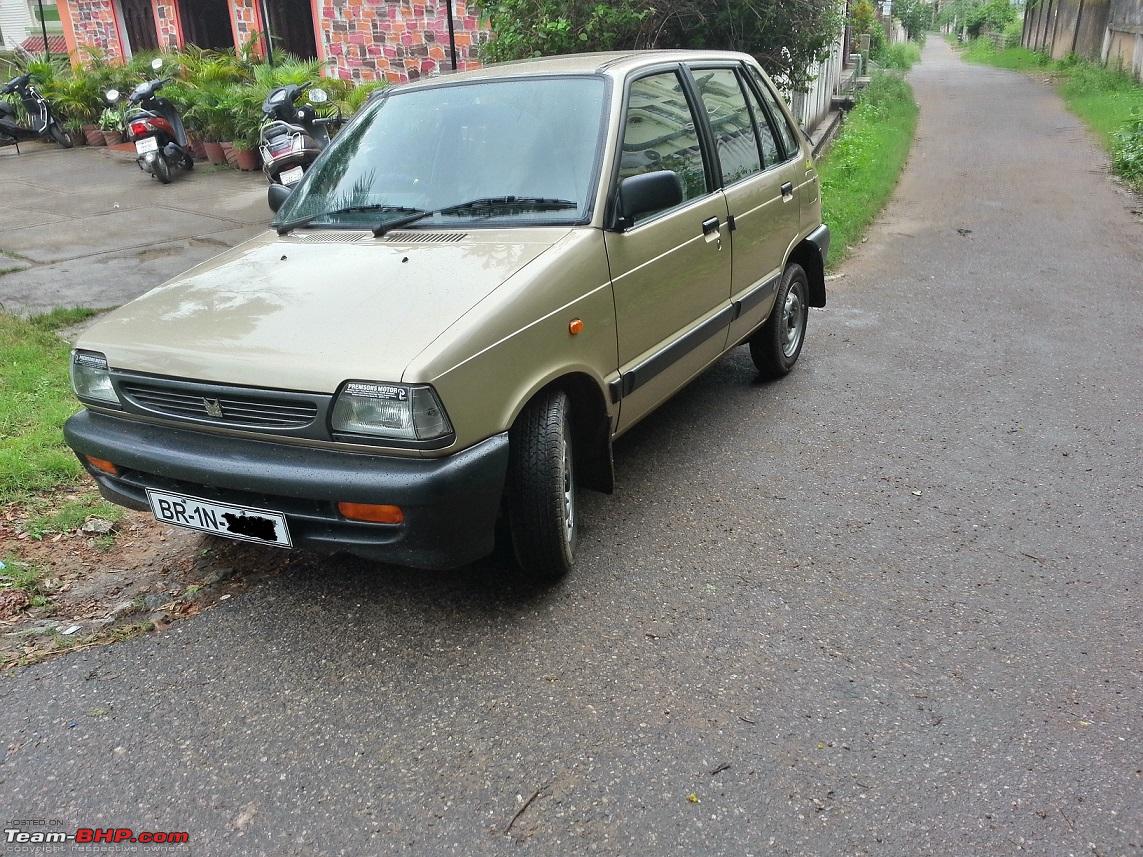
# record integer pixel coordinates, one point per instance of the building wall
(167, 24)
(93, 24)
(15, 21)
(398, 39)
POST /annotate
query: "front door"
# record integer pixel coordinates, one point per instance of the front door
(671, 270)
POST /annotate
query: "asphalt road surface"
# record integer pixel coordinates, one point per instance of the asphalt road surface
(889, 606)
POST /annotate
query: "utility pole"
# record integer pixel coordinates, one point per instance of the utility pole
(451, 34)
(44, 30)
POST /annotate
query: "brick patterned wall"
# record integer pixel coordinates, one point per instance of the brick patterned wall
(166, 24)
(246, 17)
(397, 39)
(93, 23)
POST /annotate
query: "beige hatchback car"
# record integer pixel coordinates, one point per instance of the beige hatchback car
(480, 284)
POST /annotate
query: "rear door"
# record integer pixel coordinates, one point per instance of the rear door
(764, 213)
(671, 270)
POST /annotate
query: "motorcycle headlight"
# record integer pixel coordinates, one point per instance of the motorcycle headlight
(396, 411)
(90, 378)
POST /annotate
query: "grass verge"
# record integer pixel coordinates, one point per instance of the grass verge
(1110, 103)
(35, 400)
(859, 172)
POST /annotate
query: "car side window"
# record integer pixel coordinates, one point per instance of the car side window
(788, 135)
(725, 105)
(660, 133)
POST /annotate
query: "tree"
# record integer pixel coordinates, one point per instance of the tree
(916, 16)
(787, 36)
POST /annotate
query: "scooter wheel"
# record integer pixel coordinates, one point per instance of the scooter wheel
(161, 170)
(60, 136)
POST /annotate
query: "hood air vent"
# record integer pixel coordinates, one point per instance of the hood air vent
(332, 236)
(425, 237)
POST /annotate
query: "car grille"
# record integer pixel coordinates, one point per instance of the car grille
(227, 410)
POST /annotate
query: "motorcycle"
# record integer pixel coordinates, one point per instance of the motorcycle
(41, 118)
(155, 127)
(292, 137)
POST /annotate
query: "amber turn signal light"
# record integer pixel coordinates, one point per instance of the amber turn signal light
(102, 464)
(374, 513)
(575, 327)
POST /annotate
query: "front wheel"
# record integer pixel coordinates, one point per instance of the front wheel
(60, 136)
(161, 169)
(541, 488)
(775, 346)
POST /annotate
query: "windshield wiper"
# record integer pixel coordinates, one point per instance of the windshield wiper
(491, 203)
(301, 222)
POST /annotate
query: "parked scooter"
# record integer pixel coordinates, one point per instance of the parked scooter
(292, 137)
(156, 128)
(41, 118)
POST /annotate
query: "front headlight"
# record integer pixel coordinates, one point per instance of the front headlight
(90, 378)
(394, 411)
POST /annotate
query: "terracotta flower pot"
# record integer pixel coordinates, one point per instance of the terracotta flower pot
(214, 153)
(247, 160)
(228, 151)
(113, 138)
(78, 138)
(94, 137)
(197, 148)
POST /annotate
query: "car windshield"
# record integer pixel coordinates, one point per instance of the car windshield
(500, 152)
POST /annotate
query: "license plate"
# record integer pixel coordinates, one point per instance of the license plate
(221, 519)
(147, 144)
(292, 176)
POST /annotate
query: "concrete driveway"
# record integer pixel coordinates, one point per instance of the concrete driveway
(86, 228)
(888, 606)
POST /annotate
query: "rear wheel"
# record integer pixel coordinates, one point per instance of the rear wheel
(60, 135)
(161, 169)
(776, 345)
(541, 488)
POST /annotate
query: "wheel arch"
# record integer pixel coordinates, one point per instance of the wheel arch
(811, 257)
(591, 427)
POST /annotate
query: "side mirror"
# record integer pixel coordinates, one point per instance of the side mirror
(276, 195)
(157, 63)
(318, 95)
(647, 192)
(112, 95)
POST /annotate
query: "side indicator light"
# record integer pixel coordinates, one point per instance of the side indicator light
(374, 513)
(575, 327)
(103, 465)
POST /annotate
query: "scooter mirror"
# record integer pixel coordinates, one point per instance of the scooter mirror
(157, 63)
(276, 195)
(113, 95)
(318, 95)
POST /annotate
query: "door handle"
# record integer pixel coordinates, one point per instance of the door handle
(788, 191)
(710, 225)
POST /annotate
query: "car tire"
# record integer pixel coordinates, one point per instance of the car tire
(161, 169)
(541, 489)
(775, 346)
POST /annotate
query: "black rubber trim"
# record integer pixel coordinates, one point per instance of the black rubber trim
(754, 297)
(820, 239)
(636, 377)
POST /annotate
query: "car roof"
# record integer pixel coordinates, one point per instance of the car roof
(617, 63)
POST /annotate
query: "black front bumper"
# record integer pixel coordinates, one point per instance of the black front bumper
(450, 504)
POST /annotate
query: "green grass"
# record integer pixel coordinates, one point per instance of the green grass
(62, 317)
(70, 516)
(1109, 102)
(23, 575)
(35, 400)
(859, 172)
(900, 55)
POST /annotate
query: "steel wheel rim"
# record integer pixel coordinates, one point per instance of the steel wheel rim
(793, 320)
(568, 479)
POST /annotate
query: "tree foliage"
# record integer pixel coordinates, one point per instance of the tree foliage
(916, 16)
(787, 36)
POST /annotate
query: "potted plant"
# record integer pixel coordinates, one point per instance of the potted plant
(111, 124)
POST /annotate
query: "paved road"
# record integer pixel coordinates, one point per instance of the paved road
(88, 228)
(888, 606)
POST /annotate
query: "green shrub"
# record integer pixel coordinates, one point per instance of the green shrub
(1127, 151)
(900, 56)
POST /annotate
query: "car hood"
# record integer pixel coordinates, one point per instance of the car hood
(311, 310)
